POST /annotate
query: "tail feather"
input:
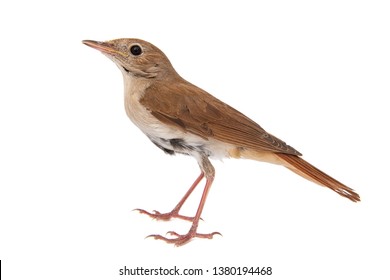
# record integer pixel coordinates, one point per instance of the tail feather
(310, 172)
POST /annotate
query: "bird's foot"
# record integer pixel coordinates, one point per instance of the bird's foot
(165, 216)
(181, 239)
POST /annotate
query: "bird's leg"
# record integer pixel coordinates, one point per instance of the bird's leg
(175, 212)
(181, 239)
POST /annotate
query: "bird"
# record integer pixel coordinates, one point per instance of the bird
(181, 118)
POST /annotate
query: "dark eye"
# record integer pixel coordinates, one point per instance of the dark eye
(136, 50)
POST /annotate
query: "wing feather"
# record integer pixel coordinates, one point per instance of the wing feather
(191, 109)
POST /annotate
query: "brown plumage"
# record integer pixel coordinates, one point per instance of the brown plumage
(193, 110)
(208, 117)
(179, 117)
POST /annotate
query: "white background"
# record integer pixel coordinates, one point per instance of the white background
(72, 166)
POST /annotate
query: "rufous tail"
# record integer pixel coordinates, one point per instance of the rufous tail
(300, 167)
(308, 171)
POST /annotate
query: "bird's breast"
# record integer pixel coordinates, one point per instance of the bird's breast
(168, 138)
(143, 118)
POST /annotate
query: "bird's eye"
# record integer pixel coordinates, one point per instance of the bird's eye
(136, 50)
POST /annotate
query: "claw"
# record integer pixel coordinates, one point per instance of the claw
(173, 233)
(181, 239)
(164, 216)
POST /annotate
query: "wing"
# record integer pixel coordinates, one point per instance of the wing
(193, 110)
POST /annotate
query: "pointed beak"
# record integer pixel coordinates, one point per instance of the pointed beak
(103, 47)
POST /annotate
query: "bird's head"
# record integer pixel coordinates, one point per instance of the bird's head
(135, 57)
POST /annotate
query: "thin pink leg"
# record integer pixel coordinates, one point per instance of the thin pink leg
(185, 238)
(175, 212)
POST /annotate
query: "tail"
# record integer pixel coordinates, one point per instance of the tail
(308, 171)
